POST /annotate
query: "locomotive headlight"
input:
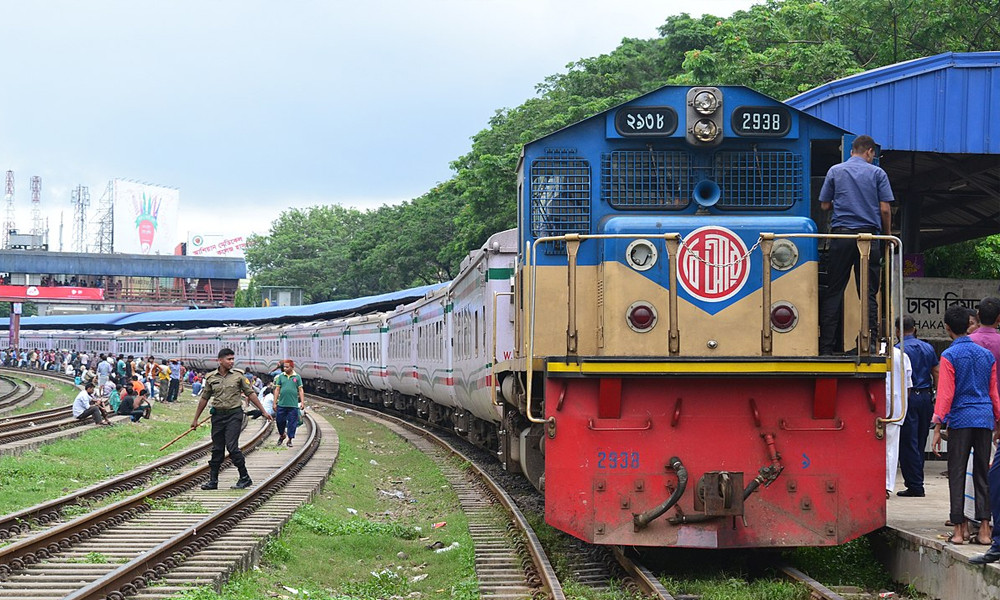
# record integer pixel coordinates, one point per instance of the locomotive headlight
(641, 255)
(705, 102)
(705, 130)
(784, 317)
(784, 254)
(641, 316)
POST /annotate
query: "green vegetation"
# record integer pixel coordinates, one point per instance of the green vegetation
(94, 558)
(57, 469)
(853, 563)
(54, 393)
(355, 542)
(779, 47)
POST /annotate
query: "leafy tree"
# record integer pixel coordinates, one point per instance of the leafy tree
(309, 249)
(249, 297)
(28, 309)
(974, 259)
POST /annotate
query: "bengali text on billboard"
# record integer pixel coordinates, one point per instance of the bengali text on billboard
(145, 218)
(209, 244)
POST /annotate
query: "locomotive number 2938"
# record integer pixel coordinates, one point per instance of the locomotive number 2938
(617, 460)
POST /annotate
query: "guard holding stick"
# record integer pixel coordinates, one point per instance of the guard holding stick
(224, 389)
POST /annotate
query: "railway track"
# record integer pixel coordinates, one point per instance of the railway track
(510, 562)
(171, 536)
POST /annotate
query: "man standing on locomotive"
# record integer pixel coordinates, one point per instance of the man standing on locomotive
(225, 388)
(860, 196)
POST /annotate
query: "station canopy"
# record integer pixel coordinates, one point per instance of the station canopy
(937, 120)
(122, 265)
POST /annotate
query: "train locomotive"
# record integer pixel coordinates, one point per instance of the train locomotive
(643, 347)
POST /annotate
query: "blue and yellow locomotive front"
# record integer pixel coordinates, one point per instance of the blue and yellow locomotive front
(668, 299)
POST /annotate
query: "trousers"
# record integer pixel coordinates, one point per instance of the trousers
(960, 442)
(913, 438)
(287, 418)
(843, 257)
(226, 438)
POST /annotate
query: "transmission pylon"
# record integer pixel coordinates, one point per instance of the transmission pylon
(80, 201)
(8, 223)
(37, 228)
(104, 222)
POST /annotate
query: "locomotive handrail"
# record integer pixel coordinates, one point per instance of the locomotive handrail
(572, 241)
(893, 262)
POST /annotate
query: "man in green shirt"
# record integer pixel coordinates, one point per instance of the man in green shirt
(288, 399)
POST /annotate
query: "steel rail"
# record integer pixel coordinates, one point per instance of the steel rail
(817, 590)
(30, 550)
(51, 511)
(40, 416)
(648, 584)
(153, 564)
(548, 578)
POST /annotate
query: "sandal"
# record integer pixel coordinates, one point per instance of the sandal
(950, 539)
(979, 541)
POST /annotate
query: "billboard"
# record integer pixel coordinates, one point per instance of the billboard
(145, 218)
(214, 244)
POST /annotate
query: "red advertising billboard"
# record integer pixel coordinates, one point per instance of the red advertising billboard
(17, 293)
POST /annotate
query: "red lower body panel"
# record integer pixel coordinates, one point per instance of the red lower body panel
(608, 460)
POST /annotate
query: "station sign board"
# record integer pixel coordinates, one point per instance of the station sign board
(18, 293)
(928, 298)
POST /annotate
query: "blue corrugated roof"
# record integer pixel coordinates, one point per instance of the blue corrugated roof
(213, 316)
(948, 103)
(220, 316)
(123, 265)
(85, 321)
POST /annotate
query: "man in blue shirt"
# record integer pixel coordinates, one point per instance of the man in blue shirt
(919, 409)
(860, 196)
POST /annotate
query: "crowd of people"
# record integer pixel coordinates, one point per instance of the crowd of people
(965, 413)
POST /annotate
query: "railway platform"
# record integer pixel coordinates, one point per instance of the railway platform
(916, 551)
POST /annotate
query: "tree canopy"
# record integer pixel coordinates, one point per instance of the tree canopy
(779, 47)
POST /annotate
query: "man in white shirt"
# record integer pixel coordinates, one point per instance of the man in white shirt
(84, 406)
(897, 387)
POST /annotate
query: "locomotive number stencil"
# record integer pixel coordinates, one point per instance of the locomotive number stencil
(713, 264)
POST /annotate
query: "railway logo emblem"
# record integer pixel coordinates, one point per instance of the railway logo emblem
(713, 264)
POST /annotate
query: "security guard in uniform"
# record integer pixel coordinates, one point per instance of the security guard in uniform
(224, 388)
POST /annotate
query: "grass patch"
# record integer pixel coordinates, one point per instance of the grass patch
(853, 563)
(54, 393)
(366, 535)
(92, 558)
(63, 466)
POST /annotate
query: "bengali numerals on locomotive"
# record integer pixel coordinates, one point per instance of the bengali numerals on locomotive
(646, 120)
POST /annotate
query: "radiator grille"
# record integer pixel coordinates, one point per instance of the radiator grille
(770, 179)
(560, 196)
(646, 179)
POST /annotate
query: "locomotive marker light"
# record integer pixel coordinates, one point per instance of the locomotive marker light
(641, 255)
(641, 316)
(784, 254)
(704, 116)
(784, 316)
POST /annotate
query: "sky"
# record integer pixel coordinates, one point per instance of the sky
(250, 108)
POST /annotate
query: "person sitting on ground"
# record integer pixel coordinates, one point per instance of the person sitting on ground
(115, 397)
(137, 385)
(85, 406)
(128, 406)
(143, 404)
